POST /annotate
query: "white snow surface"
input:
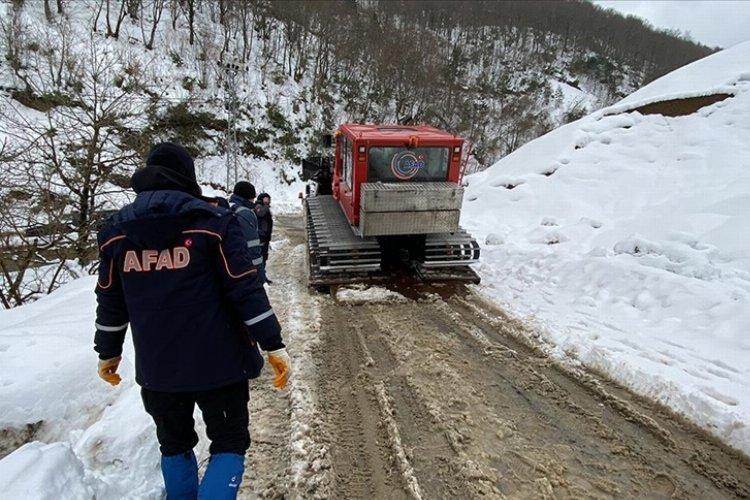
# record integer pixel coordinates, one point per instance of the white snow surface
(573, 99)
(95, 440)
(363, 294)
(277, 178)
(57, 473)
(624, 238)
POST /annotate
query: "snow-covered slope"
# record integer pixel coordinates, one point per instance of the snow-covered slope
(278, 179)
(100, 438)
(625, 238)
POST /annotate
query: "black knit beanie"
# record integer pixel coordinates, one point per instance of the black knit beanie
(245, 190)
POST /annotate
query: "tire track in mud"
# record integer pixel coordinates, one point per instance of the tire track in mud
(522, 426)
(647, 445)
(449, 397)
(358, 441)
(660, 439)
(429, 457)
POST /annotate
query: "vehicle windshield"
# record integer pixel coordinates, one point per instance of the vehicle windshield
(398, 164)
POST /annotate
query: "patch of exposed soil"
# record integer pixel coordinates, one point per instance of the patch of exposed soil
(680, 107)
(11, 438)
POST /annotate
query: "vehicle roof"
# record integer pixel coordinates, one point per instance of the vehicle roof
(380, 132)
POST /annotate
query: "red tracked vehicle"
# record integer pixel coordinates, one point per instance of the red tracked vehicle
(389, 198)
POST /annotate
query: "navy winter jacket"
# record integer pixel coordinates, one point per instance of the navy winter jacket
(178, 270)
(245, 211)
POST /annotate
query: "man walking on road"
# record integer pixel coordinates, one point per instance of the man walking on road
(243, 205)
(265, 224)
(178, 270)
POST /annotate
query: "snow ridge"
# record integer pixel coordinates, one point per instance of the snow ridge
(623, 238)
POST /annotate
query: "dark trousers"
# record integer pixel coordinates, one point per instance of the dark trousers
(264, 250)
(224, 410)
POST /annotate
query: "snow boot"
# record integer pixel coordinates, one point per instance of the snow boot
(180, 476)
(223, 477)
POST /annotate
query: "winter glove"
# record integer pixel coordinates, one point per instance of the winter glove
(108, 370)
(282, 367)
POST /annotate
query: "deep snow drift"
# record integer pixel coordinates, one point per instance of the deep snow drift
(99, 436)
(625, 238)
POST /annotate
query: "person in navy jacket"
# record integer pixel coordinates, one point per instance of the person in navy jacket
(177, 269)
(242, 202)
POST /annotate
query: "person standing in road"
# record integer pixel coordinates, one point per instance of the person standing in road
(177, 269)
(242, 203)
(265, 224)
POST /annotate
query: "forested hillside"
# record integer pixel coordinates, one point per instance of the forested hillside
(89, 85)
(460, 65)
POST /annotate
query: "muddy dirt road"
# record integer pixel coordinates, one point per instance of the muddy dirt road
(439, 394)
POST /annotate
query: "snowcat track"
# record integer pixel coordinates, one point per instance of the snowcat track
(337, 256)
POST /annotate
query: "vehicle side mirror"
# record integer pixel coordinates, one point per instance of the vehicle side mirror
(327, 140)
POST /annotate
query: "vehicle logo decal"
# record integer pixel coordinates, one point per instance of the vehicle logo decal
(406, 164)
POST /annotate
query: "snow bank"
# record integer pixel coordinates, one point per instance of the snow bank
(47, 345)
(624, 237)
(101, 441)
(43, 471)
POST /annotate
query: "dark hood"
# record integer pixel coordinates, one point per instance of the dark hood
(157, 218)
(159, 178)
(239, 200)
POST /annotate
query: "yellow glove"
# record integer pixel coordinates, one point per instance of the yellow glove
(282, 367)
(108, 370)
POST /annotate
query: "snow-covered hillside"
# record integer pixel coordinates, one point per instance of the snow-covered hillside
(624, 237)
(275, 178)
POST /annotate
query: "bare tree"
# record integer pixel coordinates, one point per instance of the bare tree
(76, 152)
(190, 6)
(47, 11)
(33, 256)
(155, 12)
(121, 12)
(15, 38)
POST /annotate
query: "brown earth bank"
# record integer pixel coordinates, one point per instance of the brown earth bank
(680, 107)
(441, 394)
